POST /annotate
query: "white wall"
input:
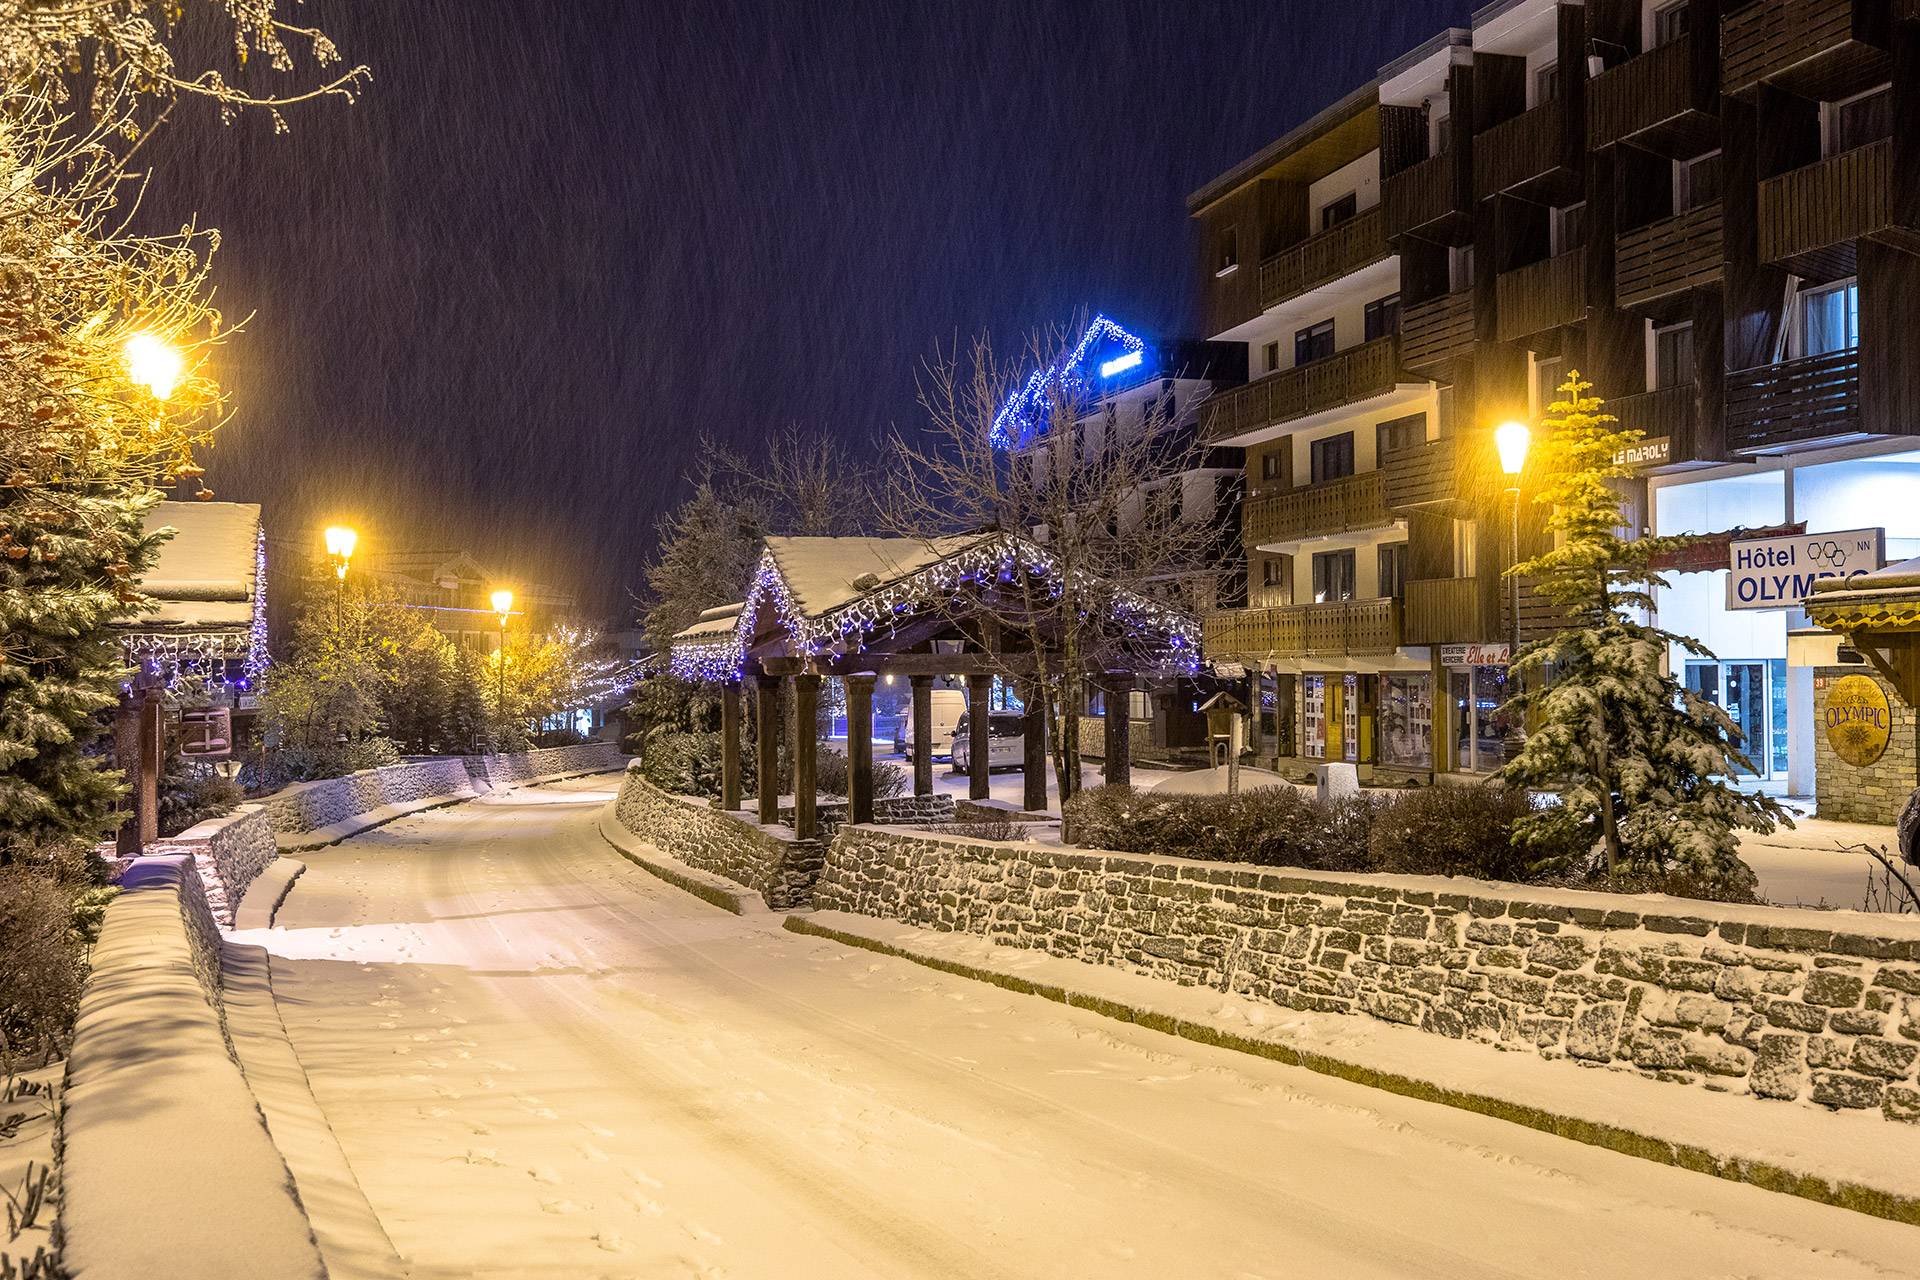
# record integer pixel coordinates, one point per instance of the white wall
(1361, 177)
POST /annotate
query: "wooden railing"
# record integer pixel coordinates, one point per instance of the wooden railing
(1436, 330)
(1539, 617)
(1796, 401)
(1841, 198)
(1370, 369)
(1419, 475)
(1542, 295)
(1423, 193)
(1452, 611)
(1332, 506)
(1667, 412)
(1670, 256)
(1358, 242)
(1530, 145)
(1640, 93)
(1772, 36)
(1301, 630)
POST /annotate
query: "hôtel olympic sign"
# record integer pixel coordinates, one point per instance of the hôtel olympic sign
(1779, 573)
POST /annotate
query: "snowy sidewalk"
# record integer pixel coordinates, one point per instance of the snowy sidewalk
(1854, 1160)
(1806, 865)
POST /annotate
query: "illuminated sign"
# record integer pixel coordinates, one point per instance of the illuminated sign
(1779, 573)
(1475, 655)
(1131, 360)
(1858, 720)
(1064, 381)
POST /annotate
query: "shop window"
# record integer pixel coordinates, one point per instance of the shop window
(1350, 717)
(1333, 576)
(1313, 714)
(1673, 356)
(1829, 319)
(1406, 721)
(1479, 726)
(1339, 211)
(1331, 458)
(1383, 317)
(1315, 342)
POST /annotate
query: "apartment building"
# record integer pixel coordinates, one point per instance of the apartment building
(454, 590)
(1706, 207)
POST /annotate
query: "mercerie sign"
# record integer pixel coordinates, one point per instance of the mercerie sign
(1779, 573)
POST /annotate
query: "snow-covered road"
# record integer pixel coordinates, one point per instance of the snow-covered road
(540, 1061)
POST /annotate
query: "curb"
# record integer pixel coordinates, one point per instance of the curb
(262, 900)
(1842, 1194)
(711, 889)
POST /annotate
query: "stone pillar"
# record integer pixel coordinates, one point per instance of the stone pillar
(730, 745)
(806, 706)
(922, 735)
(766, 710)
(1034, 749)
(980, 720)
(1119, 763)
(860, 748)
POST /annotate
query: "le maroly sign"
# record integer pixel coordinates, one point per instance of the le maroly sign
(1779, 573)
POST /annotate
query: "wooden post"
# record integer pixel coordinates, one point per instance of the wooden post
(767, 746)
(1033, 760)
(730, 745)
(1118, 770)
(979, 742)
(126, 753)
(153, 749)
(806, 703)
(922, 735)
(860, 748)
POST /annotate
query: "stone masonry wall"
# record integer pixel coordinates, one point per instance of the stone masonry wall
(901, 811)
(230, 851)
(1093, 738)
(1877, 793)
(1819, 1008)
(308, 806)
(546, 762)
(766, 859)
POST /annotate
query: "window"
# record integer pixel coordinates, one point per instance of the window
(1829, 319)
(1442, 134)
(1337, 212)
(1226, 255)
(1548, 374)
(1466, 548)
(1333, 576)
(1272, 573)
(1699, 182)
(1313, 343)
(1669, 23)
(1139, 706)
(1855, 123)
(1546, 83)
(1460, 268)
(1271, 355)
(1673, 356)
(1393, 570)
(1383, 317)
(1331, 458)
(1273, 466)
(1401, 433)
(1569, 228)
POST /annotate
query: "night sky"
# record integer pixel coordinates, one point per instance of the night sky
(499, 300)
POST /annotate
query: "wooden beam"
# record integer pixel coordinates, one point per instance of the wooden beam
(860, 748)
(1034, 747)
(979, 735)
(806, 703)
(922, 735)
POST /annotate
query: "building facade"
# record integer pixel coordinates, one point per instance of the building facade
(1704, 207)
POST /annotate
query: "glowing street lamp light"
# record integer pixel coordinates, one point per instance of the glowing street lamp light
(152, 364)
(503, 605)
(1510, 440)
(341, 539)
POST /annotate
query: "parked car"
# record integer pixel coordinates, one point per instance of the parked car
(946, 709)
(1006, 741)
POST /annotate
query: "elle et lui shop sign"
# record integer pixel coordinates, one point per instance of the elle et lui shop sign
(1779, 573)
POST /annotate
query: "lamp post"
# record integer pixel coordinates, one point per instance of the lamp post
(1511, 439)
(341, 540)
(503, 605)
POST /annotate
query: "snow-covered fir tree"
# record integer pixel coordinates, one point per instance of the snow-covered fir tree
(1641, 764)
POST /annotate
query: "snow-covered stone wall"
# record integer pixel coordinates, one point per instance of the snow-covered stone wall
(309, 806)
(167, 1169)
(230, 852)
(1815, 1007)
(894, 810)
(546, 762)
(767, 860)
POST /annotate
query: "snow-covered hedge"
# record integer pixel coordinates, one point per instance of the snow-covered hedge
(167, 1167)
(1815, 1007)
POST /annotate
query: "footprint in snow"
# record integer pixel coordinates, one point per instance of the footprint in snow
(612, 1242)
(649, 1207)
(544, 1173)
(641, 1176)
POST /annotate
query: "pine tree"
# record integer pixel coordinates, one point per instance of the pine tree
(1640, 763)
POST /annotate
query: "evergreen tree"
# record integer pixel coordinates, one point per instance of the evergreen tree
(1639, 762)
(707, 548)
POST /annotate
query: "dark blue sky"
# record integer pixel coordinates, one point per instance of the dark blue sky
(500, 299)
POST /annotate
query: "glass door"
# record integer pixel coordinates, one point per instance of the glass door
(1746, 704)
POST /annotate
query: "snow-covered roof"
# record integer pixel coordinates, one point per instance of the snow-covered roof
(206, 576)
(1885, 599)
(823, 574)
(717, 622)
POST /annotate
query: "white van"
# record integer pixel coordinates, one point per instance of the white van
(946, 708)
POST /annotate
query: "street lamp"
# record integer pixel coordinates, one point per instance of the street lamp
(340, 543)
(503, 605)
(152, 364)
(1510, 440)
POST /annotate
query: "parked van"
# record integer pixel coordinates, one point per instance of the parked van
(946, 708)
(1006, 742)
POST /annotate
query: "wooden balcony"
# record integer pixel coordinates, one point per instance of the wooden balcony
(1811, 217)
(1347, 377)
(1334, 506)
(1303, 630)
(1452, 611)
(1667, 413)
(1320, 259)
(1437, 330)
(1543, 295)
(1827, 49)
(1655, 100)
(1528, 154)
(1422, 475)
(1778, 407)
(1673, 255)
(1434, 196)
(1540, 618)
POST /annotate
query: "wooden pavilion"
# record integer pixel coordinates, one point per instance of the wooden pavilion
(864, 608)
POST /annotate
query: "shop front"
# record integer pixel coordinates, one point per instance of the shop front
(1477, 724)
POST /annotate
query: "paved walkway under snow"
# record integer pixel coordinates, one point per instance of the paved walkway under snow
(540, 1061)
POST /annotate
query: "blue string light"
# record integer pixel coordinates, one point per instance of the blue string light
(1025, 414)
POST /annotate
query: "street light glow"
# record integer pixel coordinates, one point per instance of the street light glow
(152, 364)
(1512, 439)
(502, 604)
(340, 543)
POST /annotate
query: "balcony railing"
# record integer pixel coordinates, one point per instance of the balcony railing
(1437, 330)
(1452, 611)
(1670, 256)
(1841, 198)
(1643, 93)
(1540, 618)
(1424, 193)
(1419, 475)
(1515, 152)
(1320, 259)
(1315, 510)
(1543, 295)
(1347, 377)
(1778, 406)
(1303, 630)
(1787, 41)
(1667, 412)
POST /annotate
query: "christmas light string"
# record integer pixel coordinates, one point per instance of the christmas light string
(1017, 422)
